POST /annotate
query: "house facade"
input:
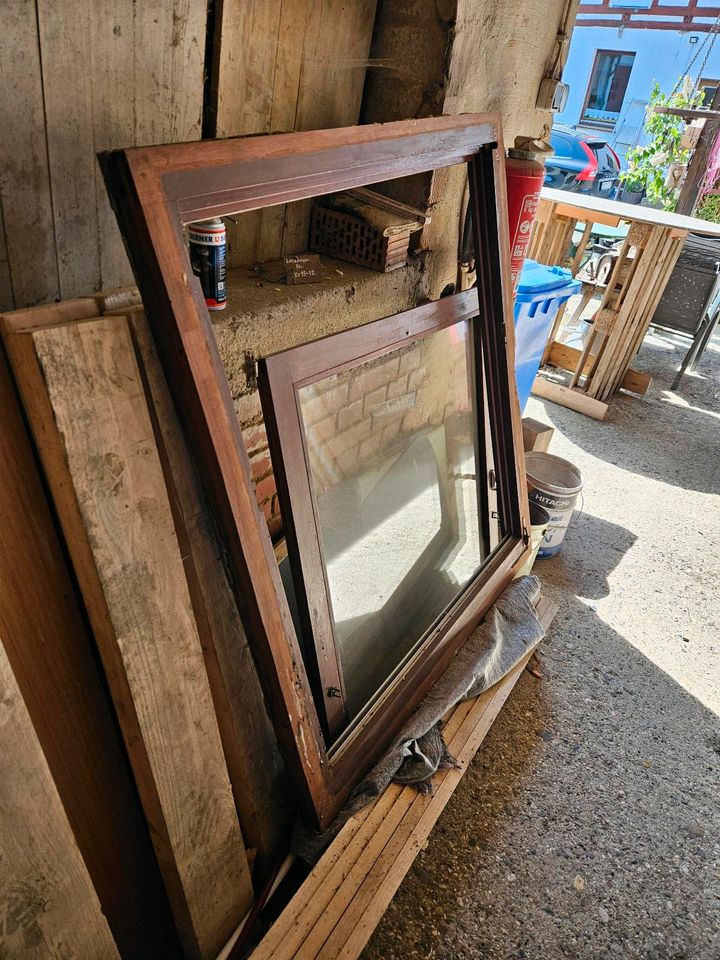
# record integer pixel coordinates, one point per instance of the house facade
(621, 47)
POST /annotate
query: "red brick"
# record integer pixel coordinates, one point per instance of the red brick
(265, 489)
(372, 399)
(248, 409)
(342, 442)
(397, 388)
(260, 466)
(350, 414)
(370, 378)
(255, 439)
(322, 430)
(410, 359)
(317, 407)
(417, 378)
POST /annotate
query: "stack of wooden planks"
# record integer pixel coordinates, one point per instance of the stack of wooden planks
(628, 303)
(150, 573)
(335, 911)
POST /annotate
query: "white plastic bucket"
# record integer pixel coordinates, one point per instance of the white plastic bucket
(539, 522)
(554, 485)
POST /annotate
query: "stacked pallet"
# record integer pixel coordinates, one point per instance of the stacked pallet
(628, 303)
(149, 569)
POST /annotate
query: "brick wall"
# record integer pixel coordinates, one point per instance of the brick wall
(359, 418)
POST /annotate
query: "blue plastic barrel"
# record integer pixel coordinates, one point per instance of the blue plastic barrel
(540, 293)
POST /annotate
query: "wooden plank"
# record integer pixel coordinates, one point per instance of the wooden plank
(566, 357)
(337, 908)
(580, 213)
(301, 66)
(111, 78)
(536, 435)
(47, 902)
(572, 399)
(631, 212)
(53, 661)
(83, 395)
(6, 292)
(258, 778)
(336, 45)
(24, 175)
(656, 291)
(52, 315)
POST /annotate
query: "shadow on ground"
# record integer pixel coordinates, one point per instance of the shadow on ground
(588, 824)
(681, 428)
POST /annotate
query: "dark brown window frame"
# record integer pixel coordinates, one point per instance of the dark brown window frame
(280, 377)
(155, 191)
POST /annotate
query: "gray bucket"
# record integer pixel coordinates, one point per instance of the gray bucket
(553, 486)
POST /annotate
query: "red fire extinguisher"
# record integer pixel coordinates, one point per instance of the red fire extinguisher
(525, 172)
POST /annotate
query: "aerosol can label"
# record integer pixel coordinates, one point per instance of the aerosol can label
(207, 258)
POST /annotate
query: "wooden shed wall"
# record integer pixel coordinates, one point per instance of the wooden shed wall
(77, 78)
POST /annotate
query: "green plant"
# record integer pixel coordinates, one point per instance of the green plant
(648, 164)
(709, 208)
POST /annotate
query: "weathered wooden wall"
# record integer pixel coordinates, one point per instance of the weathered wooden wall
(304, 70)
(76, 78)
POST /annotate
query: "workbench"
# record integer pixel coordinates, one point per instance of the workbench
(629, 299)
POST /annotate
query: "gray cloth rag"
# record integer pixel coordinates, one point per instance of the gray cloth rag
(509, 630)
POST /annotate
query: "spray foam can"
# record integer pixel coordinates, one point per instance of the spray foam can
(207, 258)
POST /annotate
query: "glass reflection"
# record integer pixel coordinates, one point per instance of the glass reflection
(392, 451)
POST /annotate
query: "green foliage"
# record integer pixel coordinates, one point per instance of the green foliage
(648, 165)
(709, 209)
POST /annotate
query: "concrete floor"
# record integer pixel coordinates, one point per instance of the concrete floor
(588, 826)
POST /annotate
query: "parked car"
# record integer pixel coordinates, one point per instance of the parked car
(581, 164)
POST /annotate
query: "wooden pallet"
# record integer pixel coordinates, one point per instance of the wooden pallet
(336, 910)
(629, 299)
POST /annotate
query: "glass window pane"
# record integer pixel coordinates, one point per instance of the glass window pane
(392, 452)
(608, 85)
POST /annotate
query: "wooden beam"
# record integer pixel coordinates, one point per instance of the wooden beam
(565, 357)
(583, 214)
(84, 397)
(47, 901)
(699, 160)
(53, 661)
(572, 399)
(259, 780)
(536, 435)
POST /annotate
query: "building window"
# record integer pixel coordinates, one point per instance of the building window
(709, 89)
(608, 84)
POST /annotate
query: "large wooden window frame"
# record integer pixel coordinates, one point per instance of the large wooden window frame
(156, 191)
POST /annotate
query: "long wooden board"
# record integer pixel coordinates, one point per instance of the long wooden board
(49, 907)
(301, 66)
(257, 774)
(259, 780)
(24, 174)
(53, 661)
(335, 911)
(566, 357)
(84, 397)
(573, 399)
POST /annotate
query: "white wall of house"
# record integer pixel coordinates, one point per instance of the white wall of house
(662, 55)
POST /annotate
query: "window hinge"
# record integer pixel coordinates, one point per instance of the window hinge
(526, 535)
